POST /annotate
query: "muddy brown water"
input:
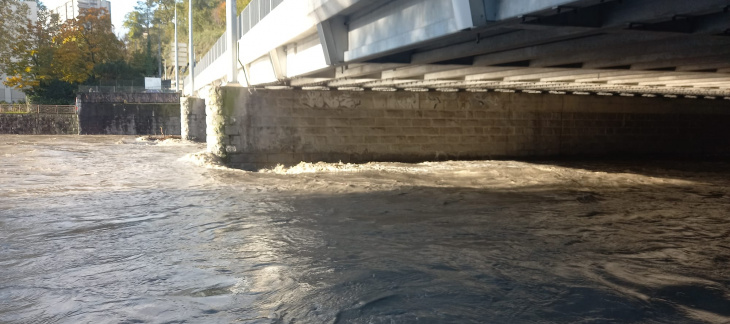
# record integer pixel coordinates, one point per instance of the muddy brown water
(103, 229)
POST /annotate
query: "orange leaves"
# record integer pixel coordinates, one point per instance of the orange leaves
(20, 82)
(46, 51)
(84, 43)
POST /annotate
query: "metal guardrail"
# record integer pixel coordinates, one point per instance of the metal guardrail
(249, 17)
(38, 109)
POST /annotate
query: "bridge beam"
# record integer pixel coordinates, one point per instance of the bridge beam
(518, 44)
(334, 39)
(616, 16)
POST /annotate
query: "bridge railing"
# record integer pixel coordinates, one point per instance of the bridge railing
(254, 13)
(125, 89)
(249, 17)
(38, 109)
(218, 49)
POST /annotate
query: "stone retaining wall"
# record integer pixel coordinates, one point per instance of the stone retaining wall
(129, 113)
(39, 124)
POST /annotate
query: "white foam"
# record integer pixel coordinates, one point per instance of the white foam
(207, 160)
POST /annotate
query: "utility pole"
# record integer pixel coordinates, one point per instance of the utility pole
(232, 40)
(159, 52)
(191, 49)
(177, 62)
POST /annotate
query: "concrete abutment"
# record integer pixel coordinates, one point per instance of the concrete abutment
(128, 113)
(252, 129)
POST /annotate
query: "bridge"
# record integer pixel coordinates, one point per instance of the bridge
(534, 67)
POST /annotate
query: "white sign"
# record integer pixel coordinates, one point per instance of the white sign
(182, 54)
(153, 83)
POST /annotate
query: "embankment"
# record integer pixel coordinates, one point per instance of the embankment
(129, 113)
(39, 124)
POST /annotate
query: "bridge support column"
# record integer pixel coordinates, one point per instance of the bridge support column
(219, 105)
(192, 118)
(232, 40)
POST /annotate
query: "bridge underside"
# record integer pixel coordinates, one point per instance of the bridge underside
(650, 48)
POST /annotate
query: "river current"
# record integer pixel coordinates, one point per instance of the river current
(105, 229)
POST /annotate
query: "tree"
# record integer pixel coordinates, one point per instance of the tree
(13, 20)
(209, 18)
(144, 29)
(108, 73)
(84, 43)
(26, 50)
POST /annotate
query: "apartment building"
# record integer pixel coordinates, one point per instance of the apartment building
(69, 9)
(8, 94)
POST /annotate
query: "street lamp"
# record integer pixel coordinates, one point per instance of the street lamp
(177, 62)
(191, 49)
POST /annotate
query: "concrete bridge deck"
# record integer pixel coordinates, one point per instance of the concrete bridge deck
(630, 47)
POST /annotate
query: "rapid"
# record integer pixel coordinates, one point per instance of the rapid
(111, 229)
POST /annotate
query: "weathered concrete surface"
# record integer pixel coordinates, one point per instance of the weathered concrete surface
(261, 128)
(192, 114)
(39, 124)
(217, 116)
(129, 113)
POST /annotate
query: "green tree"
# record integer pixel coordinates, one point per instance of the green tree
(144, 33)
(209, 18)
(110, 72)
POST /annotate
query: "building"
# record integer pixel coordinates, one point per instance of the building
(11, 94)
(70, 9)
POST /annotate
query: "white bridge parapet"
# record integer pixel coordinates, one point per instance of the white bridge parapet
(266, 26)
(283, 40)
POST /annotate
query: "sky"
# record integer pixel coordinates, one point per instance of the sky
(119, 9)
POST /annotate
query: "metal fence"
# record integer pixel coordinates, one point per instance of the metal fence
(38, 109)
(123, 89)
(254, 13)
(220, 47)
(250, 16)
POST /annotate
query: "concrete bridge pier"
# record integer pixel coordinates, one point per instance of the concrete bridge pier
(219, 106)
(253, 128)
(192, 117)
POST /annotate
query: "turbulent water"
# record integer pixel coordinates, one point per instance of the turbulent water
(118, 230)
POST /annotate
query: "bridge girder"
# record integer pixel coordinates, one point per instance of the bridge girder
(611, 45)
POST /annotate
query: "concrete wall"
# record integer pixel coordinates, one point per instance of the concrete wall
(39, 124)
(192, 112)
(129, 113)
(262, 128)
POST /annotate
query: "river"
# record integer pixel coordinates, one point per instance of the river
(105, 229)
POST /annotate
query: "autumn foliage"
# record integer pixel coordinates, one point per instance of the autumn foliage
(84, 43)
(44, 53)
